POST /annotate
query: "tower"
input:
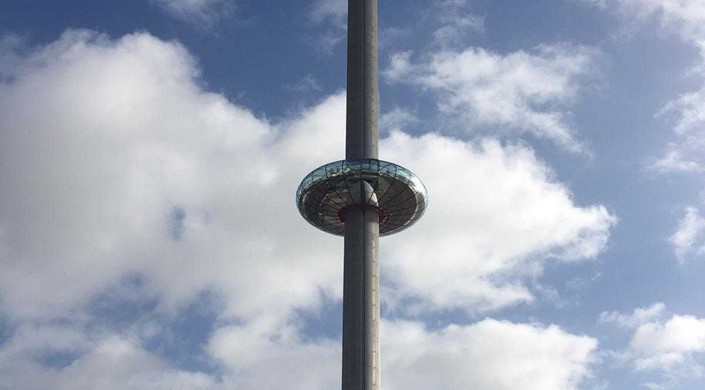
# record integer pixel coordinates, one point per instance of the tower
(361, 198)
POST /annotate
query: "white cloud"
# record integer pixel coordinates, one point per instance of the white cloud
(307, 84)
(334, 15)
(671, 347)
(119, 163)
(111, 363)
(524, 91)
(632, 320)
(679, 334)
(451, 21)
(686, 19)
(496, 214)
(106, 139)
(456, 27)
(689, 238)
(653, 386)
(455, 23)
(203, 13)
(487, 355)
(265, 358)
(674, 347)
(691, 111)
(335, 11)
(686, 153)
(397, 119)
(678, 158)
(133, 139)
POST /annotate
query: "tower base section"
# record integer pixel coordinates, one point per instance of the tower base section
(361, 364)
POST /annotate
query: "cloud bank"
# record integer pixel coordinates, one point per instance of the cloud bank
(672, 346)
(686, 20)
(520, 91)
(120, 174)
(689, 239)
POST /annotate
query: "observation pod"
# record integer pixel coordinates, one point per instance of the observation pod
(330, 191)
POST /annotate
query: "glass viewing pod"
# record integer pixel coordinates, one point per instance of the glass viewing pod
(394, 192)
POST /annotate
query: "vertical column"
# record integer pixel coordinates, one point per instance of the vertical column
(363, 93)
(361, 365)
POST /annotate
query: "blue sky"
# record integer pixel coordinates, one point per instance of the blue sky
(150, 151)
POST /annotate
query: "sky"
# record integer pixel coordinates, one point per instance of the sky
(150, 151)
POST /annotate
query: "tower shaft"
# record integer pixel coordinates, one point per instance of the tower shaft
(363, 87)
(361, 310)
(361, 365)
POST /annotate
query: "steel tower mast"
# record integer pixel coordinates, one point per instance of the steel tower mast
(361, 198)
(361, 365)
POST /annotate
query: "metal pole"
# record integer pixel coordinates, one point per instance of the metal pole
(361, 364)
(363, 93)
